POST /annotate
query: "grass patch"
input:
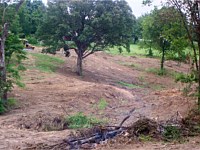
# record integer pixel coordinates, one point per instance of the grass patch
(134, 50)
(128, 85)
(47, 63)
(80, 120)
(157, 71)
(145, 138)
(102, 104)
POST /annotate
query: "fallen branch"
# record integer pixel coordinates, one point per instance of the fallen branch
(101, 135)
(127, 117)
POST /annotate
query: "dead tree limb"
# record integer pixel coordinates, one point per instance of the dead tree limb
(100, 135)
(127, 117)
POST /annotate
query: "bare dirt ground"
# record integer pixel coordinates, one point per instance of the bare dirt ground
(49, 97)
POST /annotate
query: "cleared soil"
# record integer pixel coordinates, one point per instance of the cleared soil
(49, 97)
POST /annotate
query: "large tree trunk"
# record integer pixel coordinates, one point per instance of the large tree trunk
(176, 3)
(195, 55)
(2, 60)
(162, 59)
(3, 72)
(79, 63)
(199, 72)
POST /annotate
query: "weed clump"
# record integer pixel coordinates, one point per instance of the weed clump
(80, 120)
(171, 133)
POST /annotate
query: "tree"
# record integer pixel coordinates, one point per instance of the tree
(7, 12)
(190, 8)
(137, 29)
(164, 31)
(87, 26)
(30, 16)
(185, 12)
(147, 32)
(147, 2)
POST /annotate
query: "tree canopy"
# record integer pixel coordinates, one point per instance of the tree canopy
(30, 16)
(164, 30)
(87, 26)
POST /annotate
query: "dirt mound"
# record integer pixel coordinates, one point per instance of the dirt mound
(42, 122)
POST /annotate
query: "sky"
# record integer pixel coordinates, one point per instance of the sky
(137, 7)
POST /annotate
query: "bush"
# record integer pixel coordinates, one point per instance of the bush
(7, 105)
(186, 78)
(2, 107)
(32, 40)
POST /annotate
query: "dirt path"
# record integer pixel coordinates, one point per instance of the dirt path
(48, 97)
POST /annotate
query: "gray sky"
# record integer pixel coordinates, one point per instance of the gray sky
(137, 7)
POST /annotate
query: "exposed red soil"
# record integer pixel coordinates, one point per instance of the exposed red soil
(48, 97)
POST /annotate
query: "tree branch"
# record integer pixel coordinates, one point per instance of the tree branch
(92, 51)
(19, 4)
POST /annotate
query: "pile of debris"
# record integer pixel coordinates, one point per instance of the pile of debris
(173, 129)
(90, 137)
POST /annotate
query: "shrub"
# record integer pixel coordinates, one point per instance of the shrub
(32, 40)
(2, 107)
(6, 106)
(184, 78)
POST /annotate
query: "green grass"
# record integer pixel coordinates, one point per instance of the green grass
(46, 63)
(80, 120)
(128, 85)
(145, 138)
(102, 104)
(134, 50)
(157, 71)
